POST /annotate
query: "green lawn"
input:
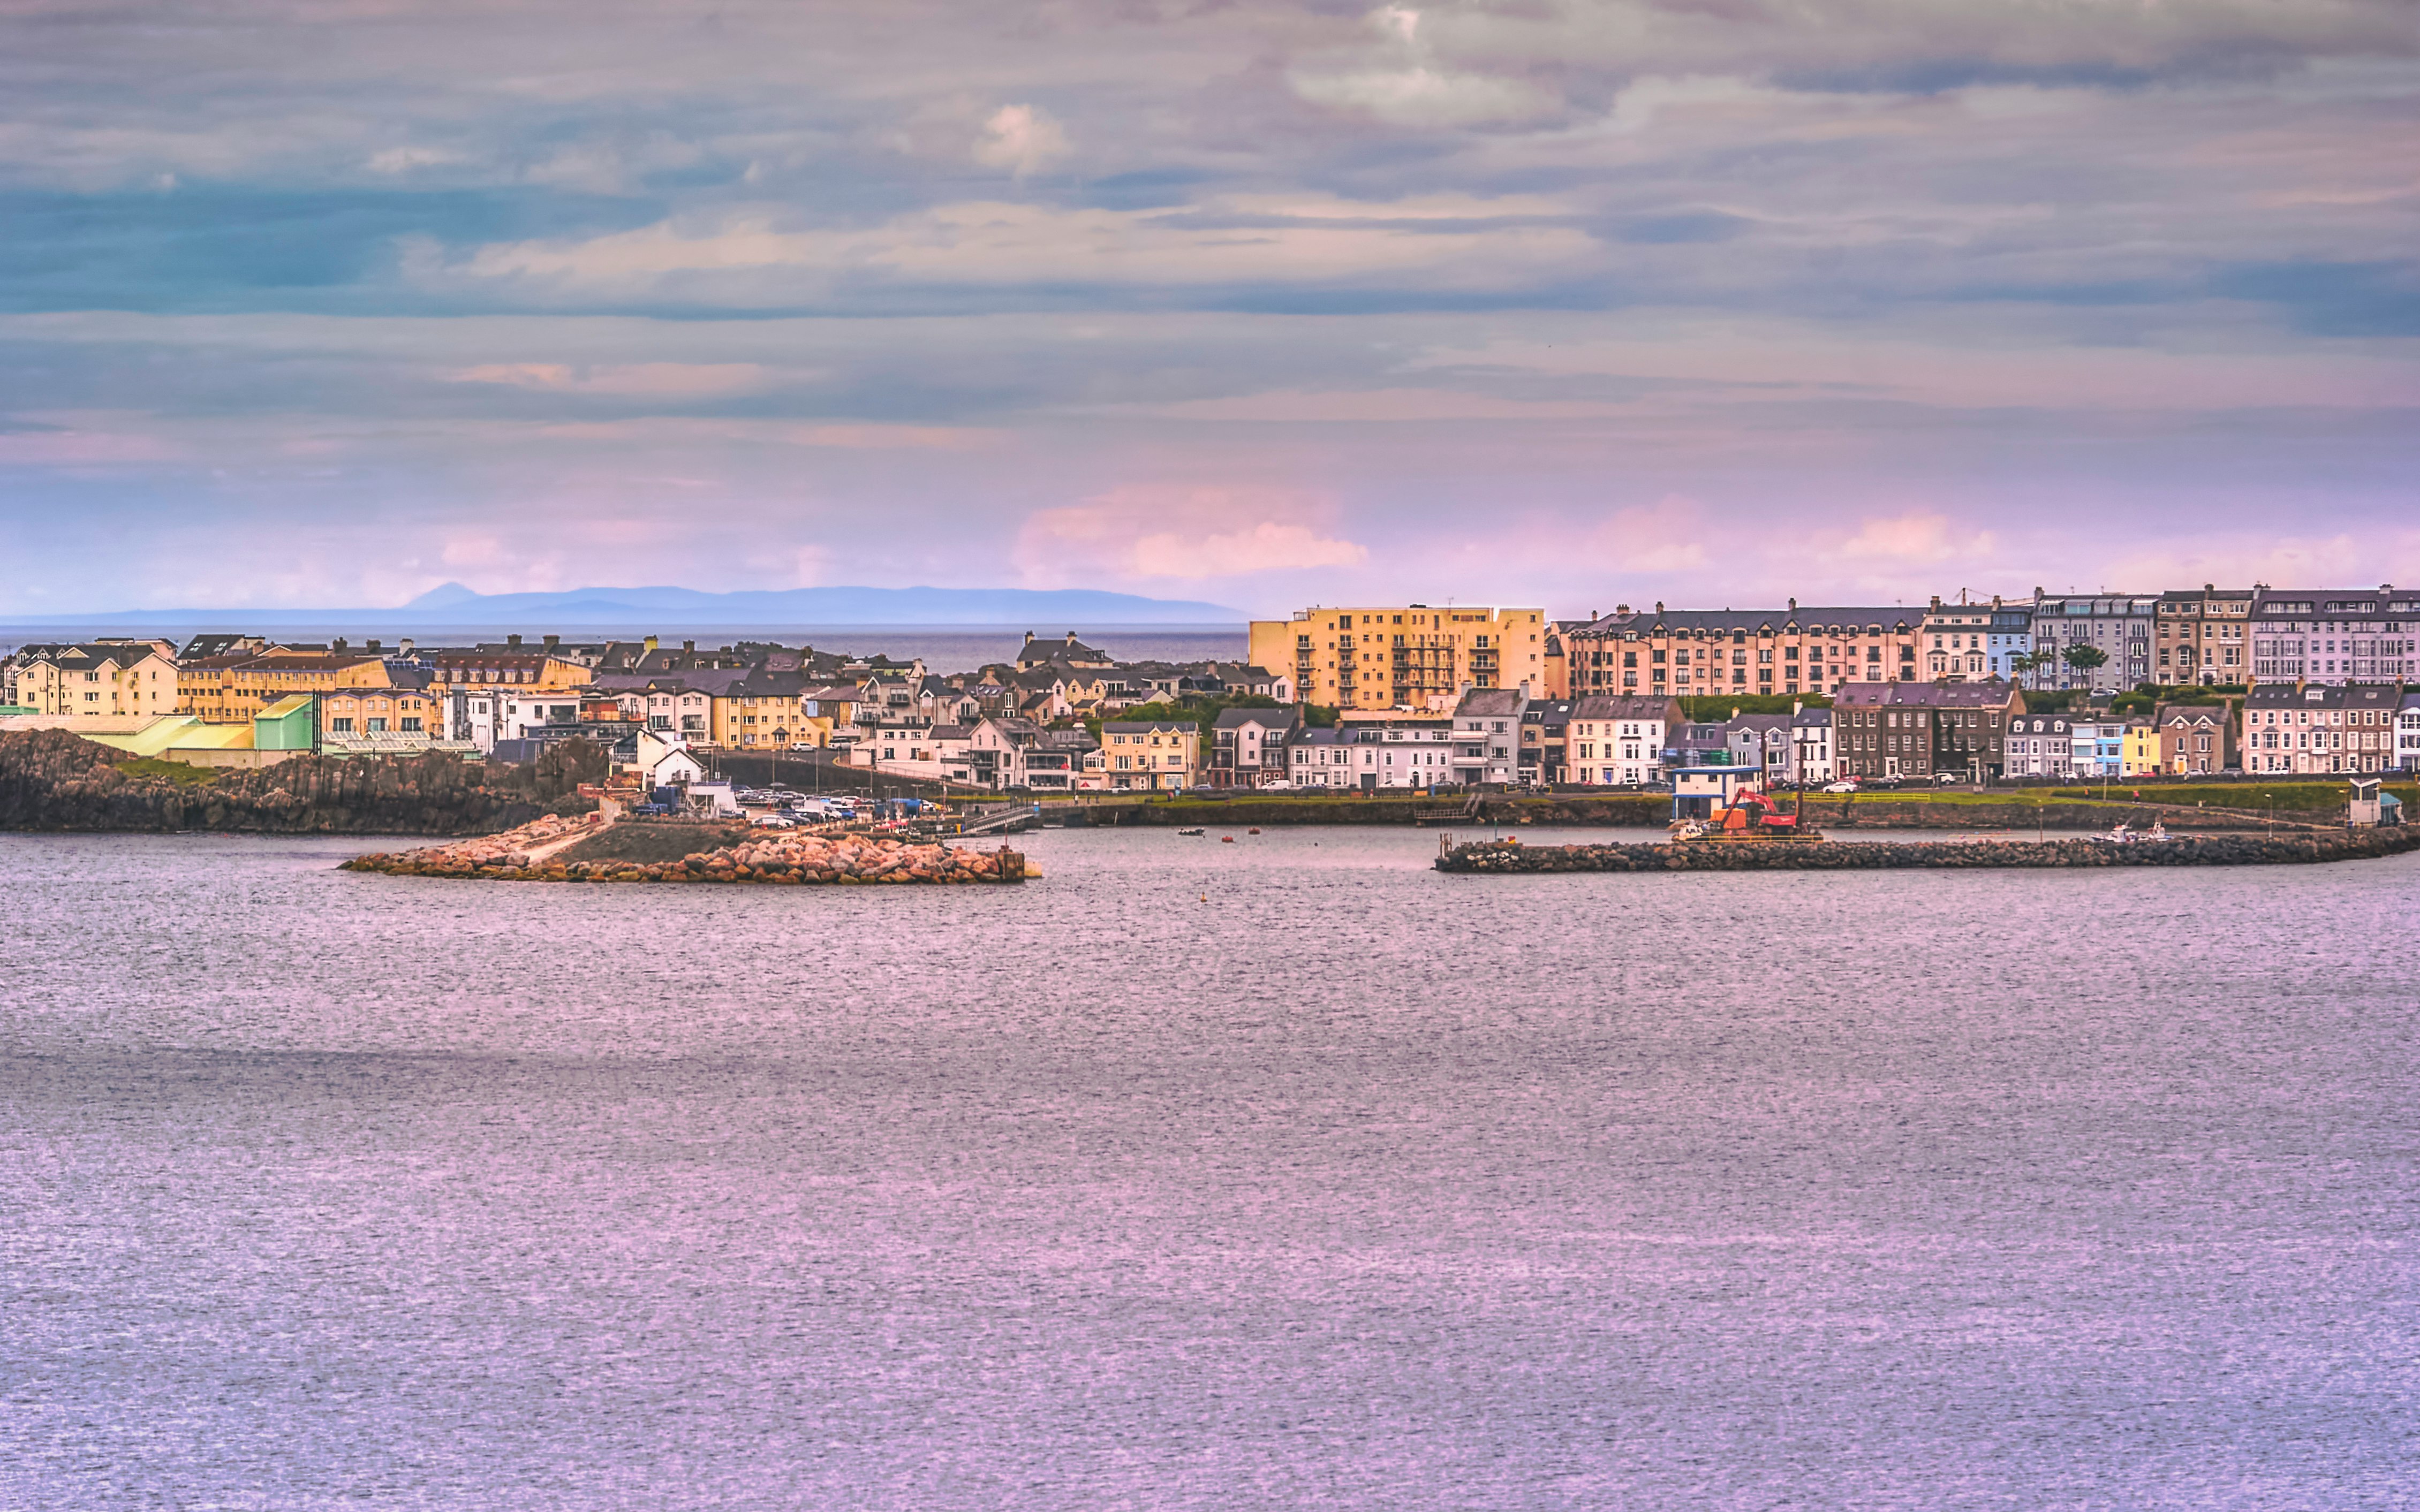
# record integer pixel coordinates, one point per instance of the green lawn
(2299, 797)
(177, 772)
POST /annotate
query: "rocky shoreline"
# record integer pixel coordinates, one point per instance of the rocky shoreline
(53, 780)
(530, 854)
(1511, 858)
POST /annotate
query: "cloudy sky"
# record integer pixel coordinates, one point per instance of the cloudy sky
(1559, 301)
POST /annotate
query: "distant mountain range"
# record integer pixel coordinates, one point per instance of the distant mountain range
(631, 609)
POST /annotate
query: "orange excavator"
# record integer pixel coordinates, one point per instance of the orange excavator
(1754, 816)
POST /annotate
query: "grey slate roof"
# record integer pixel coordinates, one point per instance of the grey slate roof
(1491, 702)
(1626, 706)
(1985, 695)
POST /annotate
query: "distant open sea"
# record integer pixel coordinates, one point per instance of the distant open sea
(946, 648)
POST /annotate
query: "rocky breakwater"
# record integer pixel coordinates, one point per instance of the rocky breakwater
(1511, 858)
(526, 855)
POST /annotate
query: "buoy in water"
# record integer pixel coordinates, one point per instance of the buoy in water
(1226, 839)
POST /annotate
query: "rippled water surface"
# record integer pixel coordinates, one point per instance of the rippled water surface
(1274, 1174)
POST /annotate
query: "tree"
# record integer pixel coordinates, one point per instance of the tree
(2085, 658)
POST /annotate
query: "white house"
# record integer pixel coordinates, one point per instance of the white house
(666, 760)
(1487, 734)
(2039, 745)
(1380, 753)
(1616, 741)
(1810, 747)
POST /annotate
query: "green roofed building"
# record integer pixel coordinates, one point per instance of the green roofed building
(292, 723)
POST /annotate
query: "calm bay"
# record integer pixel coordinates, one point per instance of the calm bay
(1199, 1175)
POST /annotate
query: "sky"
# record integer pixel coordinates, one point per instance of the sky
(1565, 303)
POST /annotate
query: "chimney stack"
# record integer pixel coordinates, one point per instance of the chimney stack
(513, 640)
(552, 641)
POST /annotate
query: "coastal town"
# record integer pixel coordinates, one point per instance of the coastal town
(2197, 684)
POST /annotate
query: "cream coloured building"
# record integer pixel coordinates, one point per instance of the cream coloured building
(1143, 754)
(1403, 656)
(98, 682)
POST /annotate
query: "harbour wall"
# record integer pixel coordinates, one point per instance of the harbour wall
(1506, 858)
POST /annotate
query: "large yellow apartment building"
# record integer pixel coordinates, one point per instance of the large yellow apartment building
(235, 689)
(1403, 657)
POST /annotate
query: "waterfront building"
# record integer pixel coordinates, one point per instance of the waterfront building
(1403, 657)
(1686, 652)
(2407, 733)
(1700, 742)
(1557, 680)
(2139, 753)
(2037, 745)
(2196, 739)
(1917, 730)
(1147, 754)
(96, 683)
(1966, 641)
(251, 684)
(399, 718)
(2320, 727)
(2097, 745)
(1546, 743)
(511, 665)
(1376, 750)
(1810, 747)
(1487, 735)
(1619, 742)
(1762, 741)
(762, 711)
(2203, 635)
(1247, 746)
(681, 703)
(2335, 635)
(2118, 625)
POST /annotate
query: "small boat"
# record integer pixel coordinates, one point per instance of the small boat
(1226, 839)
(1254, 830)
(1195, 830)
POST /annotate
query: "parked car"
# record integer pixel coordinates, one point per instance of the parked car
(773, 821)
(802, 744)
(1280, 785)
(1844, 785)
(1942, 780)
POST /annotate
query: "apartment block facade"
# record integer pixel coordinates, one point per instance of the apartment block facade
(1619, 742)
(1918, 730)
(2202, 636)
(2317, 728)
(2335, 635)
(1403, 657)
(1975, 641)
(2118, 625)
(1686, 653)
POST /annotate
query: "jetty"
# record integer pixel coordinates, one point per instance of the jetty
(1510, 858)
(550, 850)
